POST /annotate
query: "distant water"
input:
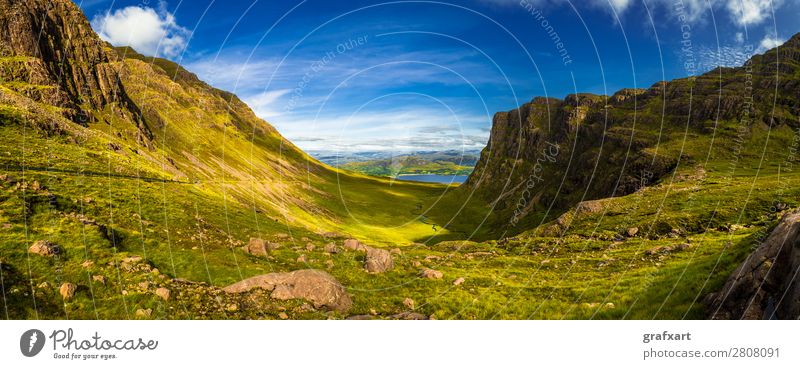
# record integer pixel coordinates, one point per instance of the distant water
(433, 178)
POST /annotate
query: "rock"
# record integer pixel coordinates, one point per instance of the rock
(256, 246)
(100, 279)
(44, 285)
(396, 251)
(144, 286)
(765, 285)
(331, 248)
(431, 274)
(87, 264)
(310, 247)
(353, 244)
(409, 303)
(408, 315)
(378, 260)
(360, 317)
(283, 315)
(163, 293)
(144, 313)
(232, 307)
(631, 232)
(44, 248)
(316, 286)
(664, 250)
(67, 290)
(458, 281)
(329, 264)
(416, 263)
(302, 259)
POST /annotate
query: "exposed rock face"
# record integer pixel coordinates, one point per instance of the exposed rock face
(766, 285)
(50, 44)
(549, 154)
(378, 260)
(313, 285)
(44, 248)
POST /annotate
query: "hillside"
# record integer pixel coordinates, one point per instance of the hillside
(130, 189)
(442, 163)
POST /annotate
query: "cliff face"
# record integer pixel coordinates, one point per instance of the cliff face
(49, 53)
(552, 153)
(765, 286)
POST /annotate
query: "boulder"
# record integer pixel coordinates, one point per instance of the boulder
(144, 313)
(378, 260)
(765, 285)
(163, 293)
(331, 248)
(431, 274)
(353, 244)
(256, 246)
(44, 248)
(67, 290)
(316, 286)
(632, 231)
(458, 281)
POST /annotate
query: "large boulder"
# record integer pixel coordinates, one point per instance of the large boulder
(378, 260)
(765, 286)
(316, 286)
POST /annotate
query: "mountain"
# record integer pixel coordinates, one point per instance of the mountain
(130, 189)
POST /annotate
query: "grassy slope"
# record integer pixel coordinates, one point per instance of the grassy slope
(188, 218)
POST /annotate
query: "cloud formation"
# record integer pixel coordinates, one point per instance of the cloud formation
(147, 30)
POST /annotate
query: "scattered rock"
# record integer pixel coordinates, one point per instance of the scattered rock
(232, 307)
(310, 247)
(416, 264)
(87, 264)
(431, 274)
(144, 313)
(409, 303)
(316, 286)
(163, 293)
(353, 244)
(631, 232)
(331, 248)
(100, 279)
(283, 315)
(329, 264)
(44, 248)
(408, 315)
(458, 281)
(396, 251)
(302, 259)
(44, 285)
(360, 317)
(67, 290)
(378, 260)
(663, 250)
(256, 246)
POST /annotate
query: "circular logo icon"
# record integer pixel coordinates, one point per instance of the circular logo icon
(31, 342)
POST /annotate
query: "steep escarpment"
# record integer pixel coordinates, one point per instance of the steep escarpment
(50, 54)
(765, 285)
(550, 154)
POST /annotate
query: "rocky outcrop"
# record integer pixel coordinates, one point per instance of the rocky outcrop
(766, 285)
(316, 286)
(49, 48)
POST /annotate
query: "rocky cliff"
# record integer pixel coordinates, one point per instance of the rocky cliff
(766, 285)
(549, 154)
(49, 53)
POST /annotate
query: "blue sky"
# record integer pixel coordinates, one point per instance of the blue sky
(417, 75)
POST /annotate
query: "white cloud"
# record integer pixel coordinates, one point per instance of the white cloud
(769, 42)
(750, 12)
(147, 30)
(263, 104)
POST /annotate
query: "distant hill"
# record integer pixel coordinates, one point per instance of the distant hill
(443, 163)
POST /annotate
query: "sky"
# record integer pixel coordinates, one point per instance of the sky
(407, 76)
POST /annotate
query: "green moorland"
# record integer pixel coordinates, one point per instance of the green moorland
(131, 214)
(413, 164)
